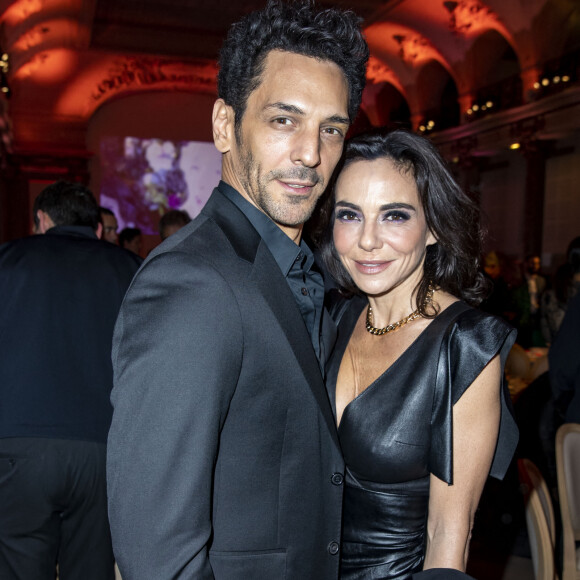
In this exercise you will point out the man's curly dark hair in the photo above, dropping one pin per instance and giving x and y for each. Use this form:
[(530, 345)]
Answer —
[(297, 27)]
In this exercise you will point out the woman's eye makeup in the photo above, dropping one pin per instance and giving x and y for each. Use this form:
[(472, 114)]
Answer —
[(393, 215), (397, 216), (347, 215)]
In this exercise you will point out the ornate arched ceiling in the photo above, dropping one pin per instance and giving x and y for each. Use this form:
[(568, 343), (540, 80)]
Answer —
[(69, 57)]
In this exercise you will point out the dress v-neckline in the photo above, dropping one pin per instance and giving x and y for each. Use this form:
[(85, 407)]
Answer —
[(396, 362)]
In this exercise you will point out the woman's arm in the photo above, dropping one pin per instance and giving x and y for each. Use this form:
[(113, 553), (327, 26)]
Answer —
[(452, 508)]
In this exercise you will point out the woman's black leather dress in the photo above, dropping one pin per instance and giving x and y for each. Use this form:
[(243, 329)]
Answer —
[(399, 431)]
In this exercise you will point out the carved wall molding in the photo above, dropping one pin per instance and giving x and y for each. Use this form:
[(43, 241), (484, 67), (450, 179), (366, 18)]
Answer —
[(378, 71), (412, 46), (147, 72), (72, 166), (465, 15)]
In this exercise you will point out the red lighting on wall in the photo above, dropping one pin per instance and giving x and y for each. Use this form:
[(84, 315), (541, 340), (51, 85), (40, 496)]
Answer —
[(49, 66), (21, 10)]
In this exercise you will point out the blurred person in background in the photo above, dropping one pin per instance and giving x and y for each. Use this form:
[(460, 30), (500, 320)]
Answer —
[(565, 285), (110, 226), (526, 299), (61, 292), (132, 240), (172, 221), (498, 301)]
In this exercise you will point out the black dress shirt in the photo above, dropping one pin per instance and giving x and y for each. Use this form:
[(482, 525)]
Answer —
[(296, 263)]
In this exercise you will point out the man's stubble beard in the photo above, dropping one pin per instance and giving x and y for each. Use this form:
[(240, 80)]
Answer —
[(256, 184)]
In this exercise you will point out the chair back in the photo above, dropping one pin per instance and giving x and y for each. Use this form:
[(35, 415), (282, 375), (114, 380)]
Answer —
[(568, 470), (539, 520), (517, 364)]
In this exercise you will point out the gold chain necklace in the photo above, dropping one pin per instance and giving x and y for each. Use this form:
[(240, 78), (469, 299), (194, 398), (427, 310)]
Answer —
[(390, 327)]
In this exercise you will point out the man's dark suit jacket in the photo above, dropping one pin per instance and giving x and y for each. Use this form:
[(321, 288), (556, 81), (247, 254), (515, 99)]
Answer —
[(223, 458), (60, 293)]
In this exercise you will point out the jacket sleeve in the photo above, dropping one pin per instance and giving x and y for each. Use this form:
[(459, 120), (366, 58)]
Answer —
[(176, 357)]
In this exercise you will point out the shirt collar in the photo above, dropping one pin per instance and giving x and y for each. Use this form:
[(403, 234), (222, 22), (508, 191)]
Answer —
[(86, 231), (284, 250)]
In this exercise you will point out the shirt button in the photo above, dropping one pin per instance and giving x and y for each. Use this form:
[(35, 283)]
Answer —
[(337, 478), (299, 257), (304, 291), (333, 548)]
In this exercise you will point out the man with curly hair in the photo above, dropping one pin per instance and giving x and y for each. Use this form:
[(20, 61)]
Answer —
[(223, 455)]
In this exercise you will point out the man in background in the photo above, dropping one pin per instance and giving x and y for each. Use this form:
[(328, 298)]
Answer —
[(131, 239), (60, 293), (172, 222), (526, 299), (110, 225), (223, 457)]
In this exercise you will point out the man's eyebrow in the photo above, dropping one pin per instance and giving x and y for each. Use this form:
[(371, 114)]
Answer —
[(293, 109), (287, 108), (338, 119)]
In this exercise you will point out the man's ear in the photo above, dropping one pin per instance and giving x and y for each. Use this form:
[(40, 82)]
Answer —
[(223, 126), (99, 231), (44, 222)]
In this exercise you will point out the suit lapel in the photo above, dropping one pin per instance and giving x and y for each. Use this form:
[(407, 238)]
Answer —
[(240, 232), (275, 290), (279, 297)]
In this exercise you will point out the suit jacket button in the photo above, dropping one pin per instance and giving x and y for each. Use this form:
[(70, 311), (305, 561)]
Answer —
[(337, 478), (333, 548)]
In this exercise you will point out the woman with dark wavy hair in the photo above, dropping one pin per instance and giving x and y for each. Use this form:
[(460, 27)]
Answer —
[(416, 377)]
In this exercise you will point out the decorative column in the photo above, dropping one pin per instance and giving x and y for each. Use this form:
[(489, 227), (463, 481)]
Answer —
[(467, 171), (529, 76), (535, 152), (465, 101), (417, 117)]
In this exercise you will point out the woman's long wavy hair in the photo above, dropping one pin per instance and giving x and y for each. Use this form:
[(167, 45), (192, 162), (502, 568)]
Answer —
[(453, 263)]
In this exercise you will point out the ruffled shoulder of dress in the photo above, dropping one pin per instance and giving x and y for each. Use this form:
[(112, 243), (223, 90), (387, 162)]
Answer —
[(471, 339)]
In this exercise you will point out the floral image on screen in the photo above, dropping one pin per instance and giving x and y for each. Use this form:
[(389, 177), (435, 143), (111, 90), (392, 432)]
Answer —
[(144, 178)]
